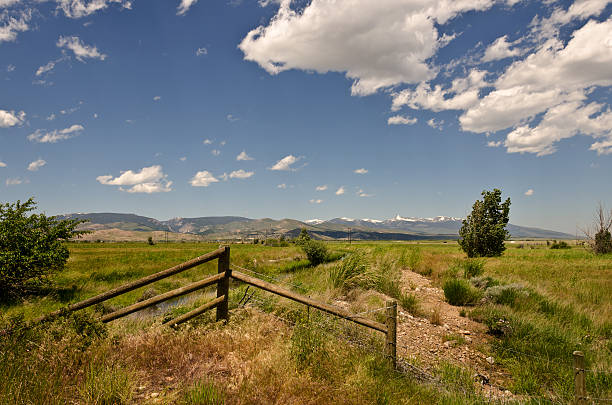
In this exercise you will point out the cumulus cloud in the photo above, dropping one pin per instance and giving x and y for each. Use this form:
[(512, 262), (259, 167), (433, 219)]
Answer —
[(13, 182), (203, 179), (376, 44), (360, 171), (184, 6), (148, 180), (10, 68), (282, 186), (201, 51), (11, 118), (363, 194), (55, 136), (156, 98), (243, 156), (2, 164), (83, 8), (401, 120), (232, 118), (340, 190), (215, 152), (81, 50), (317, 201), (285, 163), (183, 158), (207, 142), (494, 144), (37, 164), (47, 67), (321, 188), (435, 124), (529, 192), (240, 174), (500, 49), (10, 25)]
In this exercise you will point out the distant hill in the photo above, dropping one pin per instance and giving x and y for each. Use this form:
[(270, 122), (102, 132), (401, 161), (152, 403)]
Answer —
[(233, 227)]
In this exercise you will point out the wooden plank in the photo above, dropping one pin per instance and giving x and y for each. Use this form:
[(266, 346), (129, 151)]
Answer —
[(136, 284), (310, 302), (391, 337), (223, 285), (200, 310), (580, 394), (162, 297)]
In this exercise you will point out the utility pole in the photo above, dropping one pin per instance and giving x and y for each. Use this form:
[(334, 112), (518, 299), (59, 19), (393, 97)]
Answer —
[(166, 236), (349, 235)]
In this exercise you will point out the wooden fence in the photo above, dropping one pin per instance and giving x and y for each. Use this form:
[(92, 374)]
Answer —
[(222, 280)]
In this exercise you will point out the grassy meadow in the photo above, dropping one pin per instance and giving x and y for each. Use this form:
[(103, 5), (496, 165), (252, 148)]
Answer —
[(538, 304)]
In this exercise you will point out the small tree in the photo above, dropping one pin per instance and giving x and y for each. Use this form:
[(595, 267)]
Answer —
[(316, 251), (303, 237), (484, 230), (31, 247), (600, 239)]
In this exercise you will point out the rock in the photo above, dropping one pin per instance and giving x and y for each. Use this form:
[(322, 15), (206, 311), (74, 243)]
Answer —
[(490, 360), (154, 394), (448, 343), (468, 339)]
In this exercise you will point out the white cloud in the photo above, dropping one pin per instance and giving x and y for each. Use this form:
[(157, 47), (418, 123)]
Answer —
[(340, 190), (321, 188), (51, 117), (282, 186), (37, 164), (243, 156), (148, 180), (185, 6), (360, 171), (435, 124), (529, 192), (11, 118), (183, 158), (12, 24), (207, 142), (500, 49), (285, 163), (80, 50), (363, 194), (240, 174), (48, 67), (203, 179), (83, 8), (222, 143), (377, 44), (494, 144), (318, 201), (13, 182), (215, 152), (55, 136), (8, 3), (2, 164), (401, 120), (10, 68), (232, 118), (201, 51), (156, 98)]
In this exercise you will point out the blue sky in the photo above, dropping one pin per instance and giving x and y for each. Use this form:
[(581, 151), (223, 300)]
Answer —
[(148, 106)]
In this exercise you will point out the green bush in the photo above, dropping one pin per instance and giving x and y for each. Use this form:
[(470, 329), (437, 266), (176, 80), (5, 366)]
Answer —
[(472, 268), (560, 245), (351, 272), (506, 294), (31, 248), (316, 251), (460, 292)]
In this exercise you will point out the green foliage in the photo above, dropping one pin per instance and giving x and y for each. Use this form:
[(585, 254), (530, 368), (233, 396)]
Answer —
[(484, 230), (560, 245), (316, 251), (204, 393), (31, 248), (460, 292), (107, 384), (302, 238), (352, 272), (472, 268), (150, 241), (506, 294), (603, 242)]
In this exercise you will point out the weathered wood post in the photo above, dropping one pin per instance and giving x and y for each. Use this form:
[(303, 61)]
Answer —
[(580, 394), (223, 284), (391, 337)]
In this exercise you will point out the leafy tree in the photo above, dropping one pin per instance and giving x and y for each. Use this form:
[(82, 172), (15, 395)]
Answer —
[(484, 230), (303, 237), (31, 247), (316, 251)]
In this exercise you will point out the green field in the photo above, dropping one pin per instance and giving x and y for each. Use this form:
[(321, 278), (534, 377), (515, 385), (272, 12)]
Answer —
[(550, 303)]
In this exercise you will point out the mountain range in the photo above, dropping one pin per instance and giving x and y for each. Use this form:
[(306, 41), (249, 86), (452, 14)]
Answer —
[(233, 227)]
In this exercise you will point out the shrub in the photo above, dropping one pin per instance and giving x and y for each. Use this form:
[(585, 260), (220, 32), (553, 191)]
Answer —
[(150, 241), (316, 251), (204, 393), (505, 294), (410, 303), (484, 230), (303, 237), (31, 247), (560, 245), (460, 292), (483, 282), (472, 268)]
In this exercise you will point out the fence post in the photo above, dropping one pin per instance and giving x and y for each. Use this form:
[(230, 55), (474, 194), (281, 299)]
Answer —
[(391, 337), (223, 284), (580, 394)]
